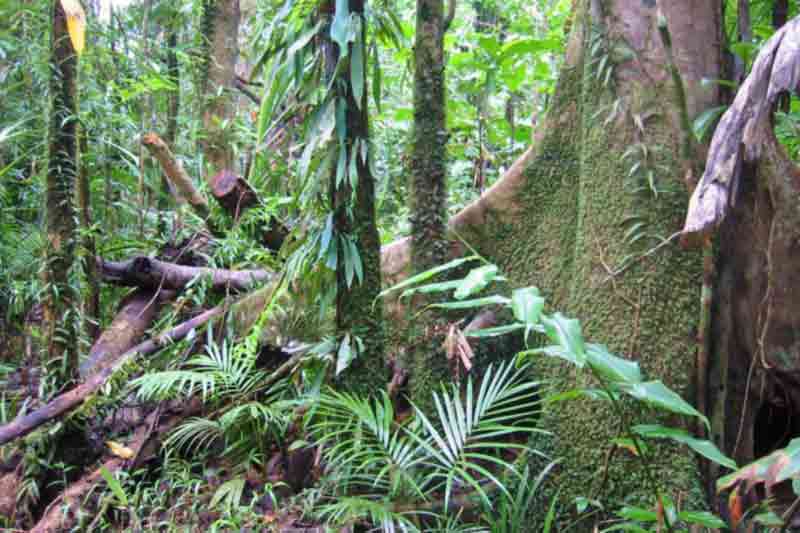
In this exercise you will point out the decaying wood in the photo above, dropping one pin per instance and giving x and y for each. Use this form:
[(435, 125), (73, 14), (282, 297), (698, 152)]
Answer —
[(176, 174), (61, 514), (136, 312), (151, 273), (744, 128), (232, 192), (243, 311)]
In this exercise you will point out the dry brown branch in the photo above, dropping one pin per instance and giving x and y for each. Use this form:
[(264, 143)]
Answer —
[(176, 174)]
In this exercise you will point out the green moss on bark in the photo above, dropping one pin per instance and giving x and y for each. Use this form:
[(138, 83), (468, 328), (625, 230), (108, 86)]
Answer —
[(568, 236)]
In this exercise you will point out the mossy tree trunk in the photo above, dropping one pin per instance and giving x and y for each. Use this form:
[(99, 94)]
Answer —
[(429, 244), (353, 202), (58, 320), (559, 219)]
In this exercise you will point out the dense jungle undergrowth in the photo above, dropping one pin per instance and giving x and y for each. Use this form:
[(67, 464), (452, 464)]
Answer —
[(430, 265)]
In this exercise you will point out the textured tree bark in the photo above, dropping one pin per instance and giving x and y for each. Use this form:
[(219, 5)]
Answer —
[(153, 274), (136, 312), (59, 323), (353, 204), (554, 221), (429, 245)]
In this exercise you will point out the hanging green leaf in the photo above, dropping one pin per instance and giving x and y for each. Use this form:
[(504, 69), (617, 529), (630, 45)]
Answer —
[(345, 355), (376, 77), (340, 27), (357, 71), (702, 125)]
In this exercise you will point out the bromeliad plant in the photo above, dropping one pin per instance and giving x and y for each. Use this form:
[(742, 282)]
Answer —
[(399, 475), (615, 377)]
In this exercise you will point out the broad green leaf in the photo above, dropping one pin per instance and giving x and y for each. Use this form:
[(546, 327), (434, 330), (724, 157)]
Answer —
[(638, 513), (612, 367), (428, 274), (703, 518), (555, 351), (658, 395), (345, 355), (340, 27), (702, 124), (495, 331), (357, 72), (442, 286), (704, 447), (476, 281), (114, 485), (566, 332), (376, 78), (475, 302), (527, 305)]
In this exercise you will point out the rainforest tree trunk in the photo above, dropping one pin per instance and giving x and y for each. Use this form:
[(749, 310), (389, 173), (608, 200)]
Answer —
[(59, 323), (353, 203), (429, 245), (558, 220)]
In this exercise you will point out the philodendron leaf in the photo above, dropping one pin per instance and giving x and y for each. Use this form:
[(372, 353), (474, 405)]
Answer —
[(566, 332), (704, 447), (611, 367), (476, 280), (658, 395)]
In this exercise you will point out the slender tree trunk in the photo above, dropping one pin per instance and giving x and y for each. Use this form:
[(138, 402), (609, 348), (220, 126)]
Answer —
[(91, 303), (353, 203), (429, 245), (221, 30), (173, 107), (59, 321)]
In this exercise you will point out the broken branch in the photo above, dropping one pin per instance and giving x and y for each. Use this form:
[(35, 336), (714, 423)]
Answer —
[(151, 273)]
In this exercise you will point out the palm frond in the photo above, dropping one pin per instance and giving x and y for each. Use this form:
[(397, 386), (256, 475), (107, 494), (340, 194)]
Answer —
[(466, 427)]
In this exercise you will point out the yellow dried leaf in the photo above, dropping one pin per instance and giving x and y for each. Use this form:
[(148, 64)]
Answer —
[(120, 450), (76, 23)]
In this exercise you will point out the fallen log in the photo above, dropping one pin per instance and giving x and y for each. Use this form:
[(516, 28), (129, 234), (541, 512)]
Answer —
[(147, 272), (244, 317), (136, 312)]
